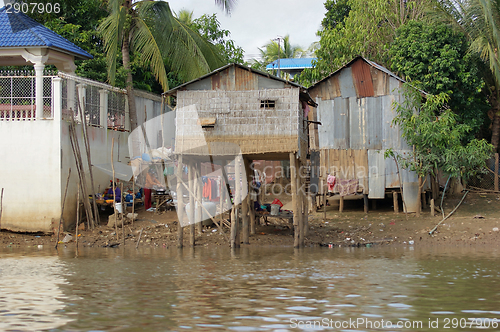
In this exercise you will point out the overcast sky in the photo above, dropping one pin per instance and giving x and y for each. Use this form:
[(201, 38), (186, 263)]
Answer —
[(253, 23)]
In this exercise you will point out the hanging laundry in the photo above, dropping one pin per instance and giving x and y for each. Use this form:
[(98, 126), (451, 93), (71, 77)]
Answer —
[(330, 180)]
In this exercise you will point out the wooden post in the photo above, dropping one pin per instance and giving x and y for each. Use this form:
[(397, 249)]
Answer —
[(233, 227), (180, 204), (244, 205), (300, 199), (496, 172), (77, 217), (419, 201), (199, 195), (365, 202), (113, 186), (432, 207), (251, 209), (424, 200), (237, 198), (133, 199), (192, 234), (123, 212), (395, 201), (295, 202), (341, 204)]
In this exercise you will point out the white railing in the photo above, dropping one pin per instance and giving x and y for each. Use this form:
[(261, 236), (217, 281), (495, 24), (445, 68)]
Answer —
[(17, 98)]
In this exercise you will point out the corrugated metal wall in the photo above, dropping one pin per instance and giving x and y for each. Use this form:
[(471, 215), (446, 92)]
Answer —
[(355, 111)]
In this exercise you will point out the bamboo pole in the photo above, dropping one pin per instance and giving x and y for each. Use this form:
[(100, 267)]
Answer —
[(180, 204), (87, 149), (62, 207), (123, 207), (244, 207), (192, 196), (77, 217), (139, 239), (199, 198), (295, 204), (133, 199), (79, 167), (113, 186)]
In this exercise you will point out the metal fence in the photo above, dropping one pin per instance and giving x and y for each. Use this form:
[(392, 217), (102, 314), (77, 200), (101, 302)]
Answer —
[(17, 96), (89, 94), (488, 181)]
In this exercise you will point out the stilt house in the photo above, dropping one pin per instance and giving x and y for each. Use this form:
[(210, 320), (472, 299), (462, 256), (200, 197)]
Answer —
[(356, 114), (237, 112)]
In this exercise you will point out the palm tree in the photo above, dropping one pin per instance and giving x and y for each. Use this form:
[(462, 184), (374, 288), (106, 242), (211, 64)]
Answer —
[(150, 30), (480, 21), (185, 16), (273, 49)]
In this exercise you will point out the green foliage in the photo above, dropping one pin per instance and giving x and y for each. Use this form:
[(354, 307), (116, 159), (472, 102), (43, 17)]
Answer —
[(437, 57), (437, 137), (336, 13), (209, 28), (368, 30)]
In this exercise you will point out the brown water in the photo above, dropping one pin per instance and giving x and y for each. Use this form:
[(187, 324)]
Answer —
[(251, 289)]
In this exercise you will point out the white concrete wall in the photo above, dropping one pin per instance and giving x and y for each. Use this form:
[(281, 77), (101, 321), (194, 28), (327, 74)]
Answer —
[(100, 147), (30, 174)]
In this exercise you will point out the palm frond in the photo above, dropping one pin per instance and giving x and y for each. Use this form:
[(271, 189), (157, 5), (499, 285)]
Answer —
[(111, 30)]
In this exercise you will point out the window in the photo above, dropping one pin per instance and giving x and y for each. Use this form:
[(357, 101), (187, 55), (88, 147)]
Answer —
[(267, 103)]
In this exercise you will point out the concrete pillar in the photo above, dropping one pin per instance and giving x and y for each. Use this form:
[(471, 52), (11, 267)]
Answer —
[(82, 92), (103, 108), (57, 101), (39, 89)]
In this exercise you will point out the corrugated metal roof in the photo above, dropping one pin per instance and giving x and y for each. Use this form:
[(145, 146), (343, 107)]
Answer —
[(303, 90), (371, 63), (19, 30), (291, 63)]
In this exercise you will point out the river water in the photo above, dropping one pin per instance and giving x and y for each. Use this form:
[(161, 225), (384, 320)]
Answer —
[(250, 289)]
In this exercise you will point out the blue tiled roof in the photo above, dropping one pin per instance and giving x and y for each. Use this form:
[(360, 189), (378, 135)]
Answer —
[(291, 63), (19, 30)]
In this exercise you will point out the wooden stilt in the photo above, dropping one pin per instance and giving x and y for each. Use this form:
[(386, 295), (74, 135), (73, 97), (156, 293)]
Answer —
[(237, 198), (419, 201), (77, 217), (133, 199), (496, 184), (180, 204), (295, 202), (245, 227), (233, 227), (395, 201), (192, 234), (341, 204), (432, 207), (301, 200), (365, 202), (114, 188), (123, 212), (199, 194)]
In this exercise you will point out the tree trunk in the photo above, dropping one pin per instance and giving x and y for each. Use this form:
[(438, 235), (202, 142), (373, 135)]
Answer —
[(495, 125), (129, 81)]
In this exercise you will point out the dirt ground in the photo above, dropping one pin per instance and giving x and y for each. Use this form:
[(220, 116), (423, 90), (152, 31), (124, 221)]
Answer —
[(476, 222)]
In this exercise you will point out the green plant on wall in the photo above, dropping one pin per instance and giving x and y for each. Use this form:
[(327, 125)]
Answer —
[(433, 130)]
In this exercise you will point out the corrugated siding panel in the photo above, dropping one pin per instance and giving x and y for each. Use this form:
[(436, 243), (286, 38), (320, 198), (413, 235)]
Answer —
[(391, 136), (346, 83), (376, 165), (391, 171), (362, 79), (357, 123), (245, 80), (340, 124), (374, 115), (411, 196)]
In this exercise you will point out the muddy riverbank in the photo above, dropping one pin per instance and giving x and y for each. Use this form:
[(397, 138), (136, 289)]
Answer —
[(476, 222)]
